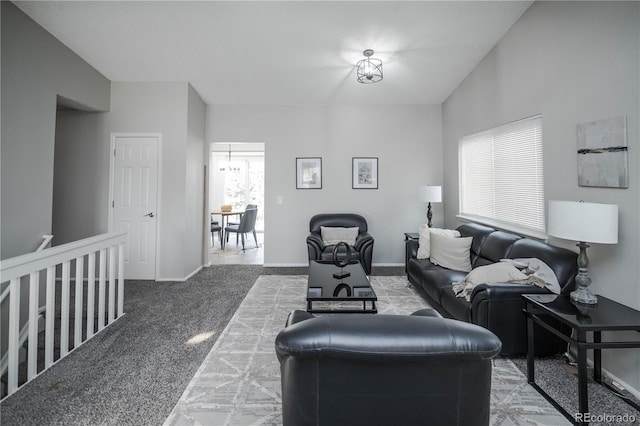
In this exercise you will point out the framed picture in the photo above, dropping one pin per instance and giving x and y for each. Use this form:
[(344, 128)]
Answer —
[(309, 173), (365, 173), (602, 153)]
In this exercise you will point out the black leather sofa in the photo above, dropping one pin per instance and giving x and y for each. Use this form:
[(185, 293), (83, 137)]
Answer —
[(361, 251), (495, 306), (385, 370)]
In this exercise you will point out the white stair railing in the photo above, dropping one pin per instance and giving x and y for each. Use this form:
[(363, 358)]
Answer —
[(101, 253)]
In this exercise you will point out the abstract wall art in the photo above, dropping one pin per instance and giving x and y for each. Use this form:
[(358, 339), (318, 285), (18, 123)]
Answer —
[(602, 153)]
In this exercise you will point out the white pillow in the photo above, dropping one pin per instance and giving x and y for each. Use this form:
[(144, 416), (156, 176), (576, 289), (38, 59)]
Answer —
[(334, 235), (451, 252), (424, 242)]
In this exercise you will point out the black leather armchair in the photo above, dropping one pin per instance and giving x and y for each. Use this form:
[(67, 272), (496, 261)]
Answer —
[(362, 250), (385, 369)]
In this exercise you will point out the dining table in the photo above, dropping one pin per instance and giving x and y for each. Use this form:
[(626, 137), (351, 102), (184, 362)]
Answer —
[(225, 215)]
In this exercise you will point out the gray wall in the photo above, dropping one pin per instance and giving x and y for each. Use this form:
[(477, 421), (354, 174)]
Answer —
[(195, 200), (406, 140), (81, 174), (573, 62), (36, 69), (164, 108)]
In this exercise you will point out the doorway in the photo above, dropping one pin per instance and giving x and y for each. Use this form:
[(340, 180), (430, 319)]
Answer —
[(236, 178)]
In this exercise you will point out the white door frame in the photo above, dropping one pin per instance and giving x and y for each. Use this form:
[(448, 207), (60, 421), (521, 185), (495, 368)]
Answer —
[(112, 166)]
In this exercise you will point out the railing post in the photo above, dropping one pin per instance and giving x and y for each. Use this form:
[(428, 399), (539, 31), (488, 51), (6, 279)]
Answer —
[(14, 324), (91, 286), (49, 315), (121, 279), (34, 295), (64, 309), (77, 326), (112, 283), (101, 284)]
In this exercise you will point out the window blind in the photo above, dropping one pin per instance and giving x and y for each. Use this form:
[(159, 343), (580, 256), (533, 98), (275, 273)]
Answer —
[(501, 175)]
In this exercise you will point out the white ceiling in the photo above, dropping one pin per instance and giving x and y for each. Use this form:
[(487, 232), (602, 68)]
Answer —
[(283, 53)]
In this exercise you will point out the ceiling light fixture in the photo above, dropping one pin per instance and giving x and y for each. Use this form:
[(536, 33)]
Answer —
[(369, 70), (227, 165)]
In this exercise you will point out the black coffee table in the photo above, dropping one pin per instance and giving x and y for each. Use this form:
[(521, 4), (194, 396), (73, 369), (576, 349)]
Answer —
[(323, 286)]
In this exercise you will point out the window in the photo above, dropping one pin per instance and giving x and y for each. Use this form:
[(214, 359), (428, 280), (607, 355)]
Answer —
[(501, 177)]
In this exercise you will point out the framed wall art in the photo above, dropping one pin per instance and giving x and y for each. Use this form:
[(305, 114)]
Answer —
[(602, 153), (365, 173), (309, 173)]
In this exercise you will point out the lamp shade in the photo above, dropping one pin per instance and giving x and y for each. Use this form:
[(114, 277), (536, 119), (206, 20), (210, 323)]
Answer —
[(584, 222), (430, 194)]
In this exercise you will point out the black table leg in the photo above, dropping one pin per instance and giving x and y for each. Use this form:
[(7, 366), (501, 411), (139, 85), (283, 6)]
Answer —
[(597, 358), (583, 397), (530, 351)]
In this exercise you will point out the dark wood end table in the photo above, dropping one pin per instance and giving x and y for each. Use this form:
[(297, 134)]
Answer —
[(607, 315)]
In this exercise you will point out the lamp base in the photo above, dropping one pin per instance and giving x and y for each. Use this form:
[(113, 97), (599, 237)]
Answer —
[(583, 296)]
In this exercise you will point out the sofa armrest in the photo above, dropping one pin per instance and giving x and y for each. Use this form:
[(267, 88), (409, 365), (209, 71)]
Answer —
[(498, 307), (315, 245), (411, 252), (505, 291), (411, 247), (363, 239)]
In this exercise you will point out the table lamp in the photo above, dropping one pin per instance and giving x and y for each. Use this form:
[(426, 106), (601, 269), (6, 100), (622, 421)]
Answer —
[(430, 194), (585, 223)]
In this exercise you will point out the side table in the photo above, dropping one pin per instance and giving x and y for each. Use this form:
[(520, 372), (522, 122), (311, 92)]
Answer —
[(411, 236), (607, 315)]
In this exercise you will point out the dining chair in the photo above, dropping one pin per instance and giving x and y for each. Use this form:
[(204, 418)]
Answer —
[(215, 227), (247, 224), (249, 206)]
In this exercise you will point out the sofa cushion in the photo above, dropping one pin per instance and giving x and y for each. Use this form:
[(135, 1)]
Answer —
[(479, 234), (451, 252), (436, 279), (496, 246), (424, 242)]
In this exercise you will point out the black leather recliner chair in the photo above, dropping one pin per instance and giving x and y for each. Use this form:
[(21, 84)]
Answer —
[(361, 251), (385, 369)]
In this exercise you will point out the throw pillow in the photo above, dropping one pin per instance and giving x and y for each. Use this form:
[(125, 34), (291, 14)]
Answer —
[(451, 252), (333, 235), (424, 242)]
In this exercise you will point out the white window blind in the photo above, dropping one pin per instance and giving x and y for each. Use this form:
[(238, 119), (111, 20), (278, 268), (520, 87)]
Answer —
[(501, 176)]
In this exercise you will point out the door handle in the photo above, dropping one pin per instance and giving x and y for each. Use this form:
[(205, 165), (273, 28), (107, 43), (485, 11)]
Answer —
[(149, 214)]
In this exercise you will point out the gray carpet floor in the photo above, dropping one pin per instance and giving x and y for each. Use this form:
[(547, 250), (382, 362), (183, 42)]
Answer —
[(559, 379), (135, 371)]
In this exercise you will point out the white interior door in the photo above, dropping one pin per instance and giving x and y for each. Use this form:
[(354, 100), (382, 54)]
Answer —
[(135, 194)]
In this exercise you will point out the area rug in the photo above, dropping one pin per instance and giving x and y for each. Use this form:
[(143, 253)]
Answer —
[(239, 382)]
